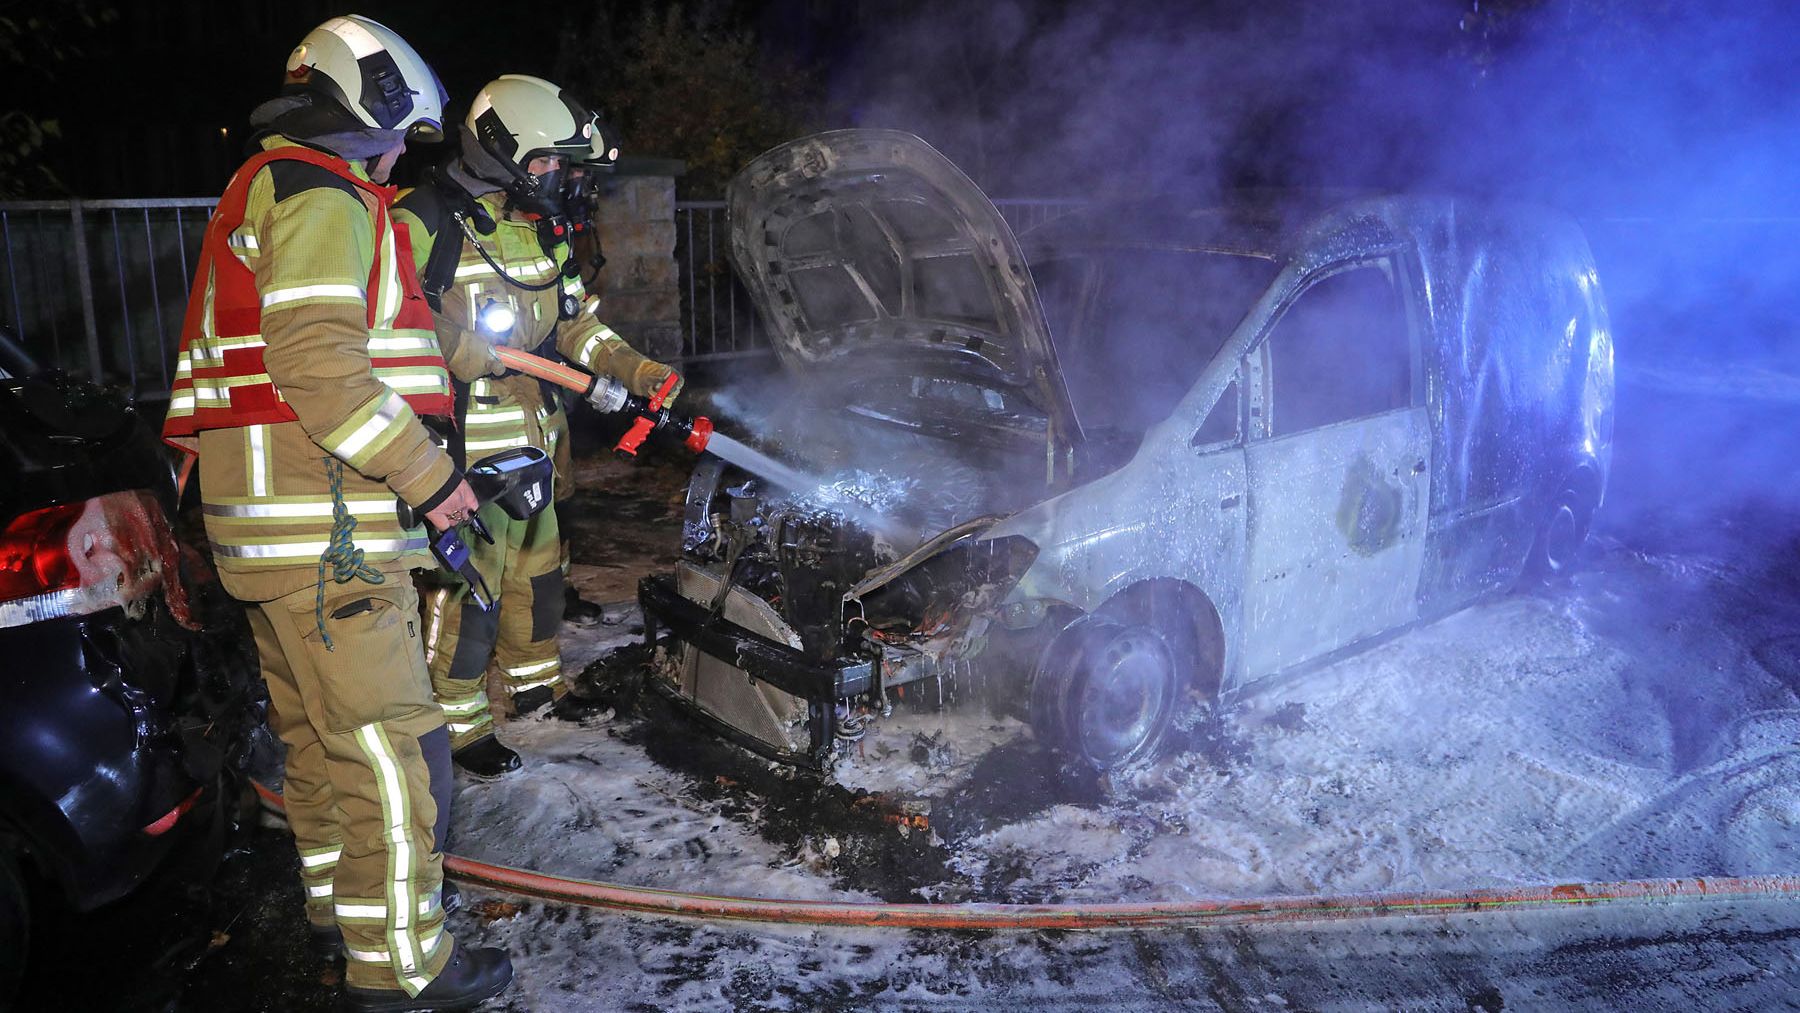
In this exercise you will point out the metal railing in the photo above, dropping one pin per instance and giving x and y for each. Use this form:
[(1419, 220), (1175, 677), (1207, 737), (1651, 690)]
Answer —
[(718, 318), (99, 287)]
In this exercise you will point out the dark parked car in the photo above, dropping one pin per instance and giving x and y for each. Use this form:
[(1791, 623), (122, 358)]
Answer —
[(126, 697), (1188, 448)]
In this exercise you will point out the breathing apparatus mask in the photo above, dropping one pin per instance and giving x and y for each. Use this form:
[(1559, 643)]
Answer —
[(603, 155), (541, 197), (545, 194)]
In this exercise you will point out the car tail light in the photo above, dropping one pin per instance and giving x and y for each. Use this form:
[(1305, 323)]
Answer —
[(80, 558), (38, 578)]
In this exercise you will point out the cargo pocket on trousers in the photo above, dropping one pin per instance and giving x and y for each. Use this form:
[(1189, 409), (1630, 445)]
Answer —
[(375, 667)]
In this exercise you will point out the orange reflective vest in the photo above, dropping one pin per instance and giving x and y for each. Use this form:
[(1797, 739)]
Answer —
[(221, 381)]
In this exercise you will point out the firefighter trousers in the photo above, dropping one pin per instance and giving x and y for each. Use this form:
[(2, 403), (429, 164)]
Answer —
[(523, 571), (362, 737), (562, 459)]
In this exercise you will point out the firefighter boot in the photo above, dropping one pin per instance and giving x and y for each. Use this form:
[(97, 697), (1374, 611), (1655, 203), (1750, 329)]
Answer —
[(486, 758), (570, 707), (567, 707), (325, 943), (471, 976), (578, 611), (528, 702)]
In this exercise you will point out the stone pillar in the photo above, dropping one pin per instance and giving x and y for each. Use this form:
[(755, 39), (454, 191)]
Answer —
[(640, 286)]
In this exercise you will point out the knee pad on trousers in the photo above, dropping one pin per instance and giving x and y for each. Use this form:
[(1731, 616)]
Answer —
[(435, 745), (475, 638), (546, 605)]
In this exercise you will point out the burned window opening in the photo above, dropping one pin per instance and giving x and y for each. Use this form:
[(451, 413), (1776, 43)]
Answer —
[(1342, 350)]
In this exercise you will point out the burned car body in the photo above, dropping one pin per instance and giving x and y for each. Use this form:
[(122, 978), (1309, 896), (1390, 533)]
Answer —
[(1260, 438)]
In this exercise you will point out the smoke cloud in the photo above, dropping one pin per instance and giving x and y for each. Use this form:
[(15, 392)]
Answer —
[(1670, 130)]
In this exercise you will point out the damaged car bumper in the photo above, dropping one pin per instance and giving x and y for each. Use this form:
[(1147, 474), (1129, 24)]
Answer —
[(754, 688)]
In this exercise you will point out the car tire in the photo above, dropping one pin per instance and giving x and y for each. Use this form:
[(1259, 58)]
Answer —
[(1560, 536), (15, 925), (1105, 692)]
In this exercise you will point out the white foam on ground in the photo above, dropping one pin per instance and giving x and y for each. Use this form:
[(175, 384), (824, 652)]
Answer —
[(1620, 727), (1528, 739)]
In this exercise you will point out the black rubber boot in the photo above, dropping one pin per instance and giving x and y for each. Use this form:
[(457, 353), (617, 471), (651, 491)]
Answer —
[(471, 977), (575, 708), (486, 758), (325, 944), (532, 700), (577, 611)]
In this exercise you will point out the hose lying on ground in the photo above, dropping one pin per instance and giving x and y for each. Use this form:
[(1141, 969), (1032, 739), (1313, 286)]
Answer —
[(1182, 914)]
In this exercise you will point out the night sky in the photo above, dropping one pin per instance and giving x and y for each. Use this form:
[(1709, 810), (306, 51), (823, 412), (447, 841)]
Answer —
[(144, 100), (1633, 106)]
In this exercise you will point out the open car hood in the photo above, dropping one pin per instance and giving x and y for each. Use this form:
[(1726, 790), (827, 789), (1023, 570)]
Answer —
[(875, 261)]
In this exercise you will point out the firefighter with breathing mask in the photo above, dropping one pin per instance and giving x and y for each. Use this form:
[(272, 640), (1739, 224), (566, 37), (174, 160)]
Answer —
[(307, 360), (490, 233), (583, 240)]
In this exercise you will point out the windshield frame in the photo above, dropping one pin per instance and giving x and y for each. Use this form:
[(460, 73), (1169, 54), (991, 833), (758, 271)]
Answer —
[(1211, 380)]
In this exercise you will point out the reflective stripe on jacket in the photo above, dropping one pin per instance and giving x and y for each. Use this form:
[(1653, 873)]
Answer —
[(584, 340), (220, 378), (307, 336)]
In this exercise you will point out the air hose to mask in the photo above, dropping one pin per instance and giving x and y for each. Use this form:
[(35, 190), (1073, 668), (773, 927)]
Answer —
[(568, 270)]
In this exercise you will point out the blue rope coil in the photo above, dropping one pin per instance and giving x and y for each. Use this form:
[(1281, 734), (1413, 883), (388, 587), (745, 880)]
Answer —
[(341, 555)]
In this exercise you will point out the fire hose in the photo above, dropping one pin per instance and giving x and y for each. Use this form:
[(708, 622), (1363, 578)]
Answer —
[(1171, 914)]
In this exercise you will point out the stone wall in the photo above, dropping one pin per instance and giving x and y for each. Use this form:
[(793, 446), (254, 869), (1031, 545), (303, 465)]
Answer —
[(640, 286)]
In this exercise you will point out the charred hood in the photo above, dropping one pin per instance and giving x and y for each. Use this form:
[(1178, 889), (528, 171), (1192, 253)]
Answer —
[(868, 253)]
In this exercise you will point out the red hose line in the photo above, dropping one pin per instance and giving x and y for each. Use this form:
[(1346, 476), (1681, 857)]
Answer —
[(1187, 914)]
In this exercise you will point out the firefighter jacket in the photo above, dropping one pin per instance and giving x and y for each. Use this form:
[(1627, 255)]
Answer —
[(510, 409), (307, 353)]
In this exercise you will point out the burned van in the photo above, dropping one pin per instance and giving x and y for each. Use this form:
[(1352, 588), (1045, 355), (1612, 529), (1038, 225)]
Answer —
[(1149, 457)]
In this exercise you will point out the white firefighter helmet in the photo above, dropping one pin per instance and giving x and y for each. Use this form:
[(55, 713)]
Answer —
[(516, 118), (371, 74), (603, 152)]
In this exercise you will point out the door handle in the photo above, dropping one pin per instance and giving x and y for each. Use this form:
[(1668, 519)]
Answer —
[(1228, 502)]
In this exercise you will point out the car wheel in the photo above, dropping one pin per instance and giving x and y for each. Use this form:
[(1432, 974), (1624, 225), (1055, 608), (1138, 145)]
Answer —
[(15, 925), (1560, 537), (1106, 692)]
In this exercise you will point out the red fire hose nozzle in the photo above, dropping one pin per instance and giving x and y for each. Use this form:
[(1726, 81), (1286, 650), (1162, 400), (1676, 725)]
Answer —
[(609, 396)]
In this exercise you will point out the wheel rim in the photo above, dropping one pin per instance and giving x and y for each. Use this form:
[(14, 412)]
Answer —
[(1562, 538), (1121, 705)]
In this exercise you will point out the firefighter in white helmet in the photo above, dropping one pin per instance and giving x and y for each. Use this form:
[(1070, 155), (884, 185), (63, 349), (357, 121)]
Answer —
[(490, 233), (307, 363)]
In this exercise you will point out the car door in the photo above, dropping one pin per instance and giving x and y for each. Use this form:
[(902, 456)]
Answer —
[(1338, 468)]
